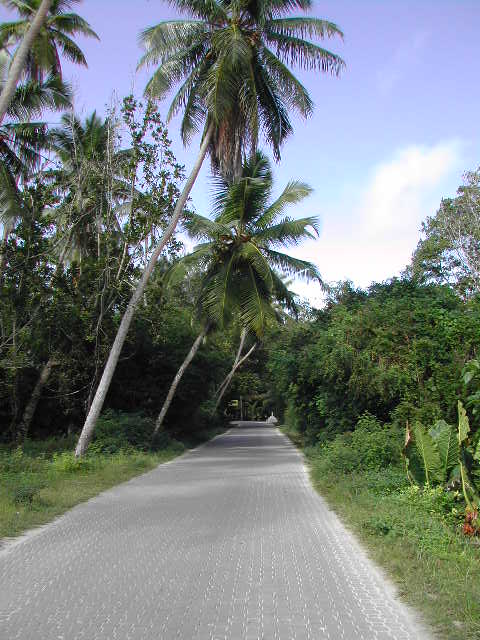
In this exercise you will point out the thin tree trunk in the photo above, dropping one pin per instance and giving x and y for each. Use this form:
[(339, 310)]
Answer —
[(35, 397), (178, 377), (243, 335), (114, 355), (7, 229), (20, 57), (229, 378)]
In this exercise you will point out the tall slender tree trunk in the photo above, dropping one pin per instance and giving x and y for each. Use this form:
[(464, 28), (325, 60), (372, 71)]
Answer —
[(20, 58), (7, 229), (226, 383), (35, 397), (122, 332), (178, 377), (243, 335)]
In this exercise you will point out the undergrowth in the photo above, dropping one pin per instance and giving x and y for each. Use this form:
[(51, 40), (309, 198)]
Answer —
[(42, 479)]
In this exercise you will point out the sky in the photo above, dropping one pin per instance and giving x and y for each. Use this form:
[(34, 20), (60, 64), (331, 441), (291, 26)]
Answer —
[(388, 139)]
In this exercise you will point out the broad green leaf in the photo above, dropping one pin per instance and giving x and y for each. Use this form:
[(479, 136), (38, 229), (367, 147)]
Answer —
[(428, 452), (443, 436), (415, 472)]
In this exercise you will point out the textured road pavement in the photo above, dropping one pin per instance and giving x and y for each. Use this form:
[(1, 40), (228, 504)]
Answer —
[(229, 542)]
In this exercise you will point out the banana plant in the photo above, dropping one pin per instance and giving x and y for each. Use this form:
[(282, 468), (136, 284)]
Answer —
[(440, 453)]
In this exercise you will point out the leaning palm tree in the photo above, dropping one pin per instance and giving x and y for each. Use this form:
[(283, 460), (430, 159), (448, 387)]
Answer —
[(43, 33), (54, 39), (20, 59), (233, 59), (239, 254), (23, 140)]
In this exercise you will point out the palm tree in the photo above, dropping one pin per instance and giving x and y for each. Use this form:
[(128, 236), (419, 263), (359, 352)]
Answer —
[(54, 38), (240, 255), (22, 140), (20, 58), (239, 250), (215, 52), (44, 34), (85, 149), (231, 58)]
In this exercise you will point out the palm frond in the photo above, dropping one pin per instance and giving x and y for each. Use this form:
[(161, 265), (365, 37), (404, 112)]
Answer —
[(288, 232), (293, 92), (251, 254), (305, 27), (210, 10), (291, 266), (32, 98), (294, 192), (72, 23), (199, 227), (215, 296), (305, 54), (69, 49), (170, 37)]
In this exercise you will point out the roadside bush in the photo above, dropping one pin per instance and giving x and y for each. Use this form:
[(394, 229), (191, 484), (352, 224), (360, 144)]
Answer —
[(371, 447), (22, 489), (116, 431), (66, 462)]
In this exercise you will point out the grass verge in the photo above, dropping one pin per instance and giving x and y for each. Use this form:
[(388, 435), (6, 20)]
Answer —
[(415, 535), (42, 479)]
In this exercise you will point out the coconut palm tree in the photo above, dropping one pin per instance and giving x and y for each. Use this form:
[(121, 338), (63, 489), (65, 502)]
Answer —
[(84, 149), (23, 141), (215, 52), (232, 61), (42, 34), (54, 39), (20, 58), (239, 254)]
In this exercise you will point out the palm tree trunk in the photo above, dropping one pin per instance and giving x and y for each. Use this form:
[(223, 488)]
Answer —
[(114, 355), (178, 377), (20, 57), (243, 335), (226, 383), (7, 229), (35, 397)]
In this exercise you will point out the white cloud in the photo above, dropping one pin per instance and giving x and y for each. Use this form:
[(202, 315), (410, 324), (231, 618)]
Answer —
[(373, 238)]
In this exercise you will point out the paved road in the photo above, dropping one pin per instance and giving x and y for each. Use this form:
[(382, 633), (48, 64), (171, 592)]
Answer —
[(229, 542)]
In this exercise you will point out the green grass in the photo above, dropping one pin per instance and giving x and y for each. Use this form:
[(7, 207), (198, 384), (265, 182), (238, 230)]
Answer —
[(38, 485), (415, 535), (42, 479)]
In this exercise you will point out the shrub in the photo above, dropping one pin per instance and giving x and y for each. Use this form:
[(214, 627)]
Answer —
[(23, 488), (67, 463), (371, 447), (117, 431)]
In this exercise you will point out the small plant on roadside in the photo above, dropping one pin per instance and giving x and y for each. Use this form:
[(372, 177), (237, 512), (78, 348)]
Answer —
[(446, 456)]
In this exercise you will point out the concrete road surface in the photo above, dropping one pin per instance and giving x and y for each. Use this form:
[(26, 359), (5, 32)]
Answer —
[(228, 542)]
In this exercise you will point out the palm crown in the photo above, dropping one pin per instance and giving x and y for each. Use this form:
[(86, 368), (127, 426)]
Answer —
[(231, 58), (240, 256), (54, 37), (21, 139)]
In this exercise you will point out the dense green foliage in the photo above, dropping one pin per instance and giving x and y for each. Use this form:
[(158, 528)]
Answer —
[(88, 222), (396, 350)]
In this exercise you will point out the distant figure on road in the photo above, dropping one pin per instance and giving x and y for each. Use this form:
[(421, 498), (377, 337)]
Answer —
[(272, 419)]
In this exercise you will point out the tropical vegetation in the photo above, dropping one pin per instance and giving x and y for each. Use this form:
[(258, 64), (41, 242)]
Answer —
[(101, 300)]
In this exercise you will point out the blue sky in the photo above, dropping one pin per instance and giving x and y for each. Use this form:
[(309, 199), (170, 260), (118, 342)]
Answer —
[(388, 138)]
